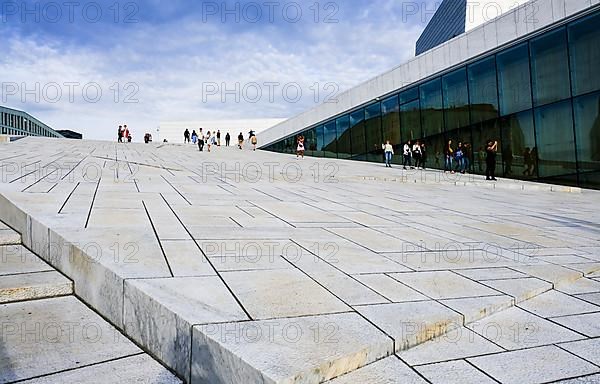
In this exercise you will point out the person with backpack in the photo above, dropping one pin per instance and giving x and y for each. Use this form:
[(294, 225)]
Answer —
[(201, 141), (241, 141)]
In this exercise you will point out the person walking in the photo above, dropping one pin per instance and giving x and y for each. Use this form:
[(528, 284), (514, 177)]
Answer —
[(423, 155), (407, 153), (209, 140), (449, 157), (241, 141), (254, 141), (120, 134), (416, 152), (218, 137), (490, 160), (194, 137), (227, 139), (201, 139), (186, 136), (300, 147), (388, 150)]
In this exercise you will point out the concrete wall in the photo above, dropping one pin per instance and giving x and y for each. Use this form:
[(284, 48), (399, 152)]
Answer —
[(524, 20)]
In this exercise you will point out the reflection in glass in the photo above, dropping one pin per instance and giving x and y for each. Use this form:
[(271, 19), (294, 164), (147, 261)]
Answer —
[(310, 141), (483, 90), (357, 129), (584, 48), (514, 82), (432, 117), (410, 121), (320, 142), (550, 68), (456, 99), (330, 139), (587, 130), (373, 134), (518, 146), (554, 129), (344, 141)]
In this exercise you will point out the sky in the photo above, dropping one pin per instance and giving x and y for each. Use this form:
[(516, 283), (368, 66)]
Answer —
[(90, 66)]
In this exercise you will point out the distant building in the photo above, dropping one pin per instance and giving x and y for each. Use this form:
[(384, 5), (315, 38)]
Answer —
[(18, 123), (455, 17), (70, 134)]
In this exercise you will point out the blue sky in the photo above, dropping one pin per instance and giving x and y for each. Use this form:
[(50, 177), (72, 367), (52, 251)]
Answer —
[(158, 61)]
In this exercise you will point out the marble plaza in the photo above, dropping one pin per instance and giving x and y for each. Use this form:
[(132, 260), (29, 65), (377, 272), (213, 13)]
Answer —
[(255, 267)]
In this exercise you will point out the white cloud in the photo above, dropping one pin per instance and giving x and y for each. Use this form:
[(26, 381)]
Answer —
[(171, 64)]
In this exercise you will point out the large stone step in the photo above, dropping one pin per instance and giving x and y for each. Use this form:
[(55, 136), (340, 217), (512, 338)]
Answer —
[(24, 276)]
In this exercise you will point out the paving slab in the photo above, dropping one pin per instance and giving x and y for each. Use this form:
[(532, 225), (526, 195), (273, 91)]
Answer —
[(9, 237), (515, 329), (520, 289), (16, 259), (45, 336), (537, 365), (476, 308), (454, 372), (387, 371), (134, 369), (390, 288), (459, 342), (294, 350), (587, 324), (443, 285), (160, 313), (281, 293), (582, 286), (586, 349), (555, 303), (411, 323), (34, 286)]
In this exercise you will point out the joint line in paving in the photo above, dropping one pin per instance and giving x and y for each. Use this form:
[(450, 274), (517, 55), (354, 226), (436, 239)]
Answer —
[(208, 259), (87, 221), (162, 250)]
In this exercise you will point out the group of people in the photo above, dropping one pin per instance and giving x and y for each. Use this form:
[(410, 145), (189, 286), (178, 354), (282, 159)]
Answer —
[(123, 134), (211, 140), (456, 159), (416, 153)]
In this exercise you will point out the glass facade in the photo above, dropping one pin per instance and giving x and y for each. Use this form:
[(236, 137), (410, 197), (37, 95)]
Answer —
[(540, 99), (17, 123)]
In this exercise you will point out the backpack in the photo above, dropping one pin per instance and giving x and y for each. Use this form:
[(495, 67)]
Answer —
[(254, 140)]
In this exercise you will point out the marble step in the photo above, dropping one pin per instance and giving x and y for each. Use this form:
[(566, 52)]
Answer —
[(8, 236), (61, 340), (36, 285)]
